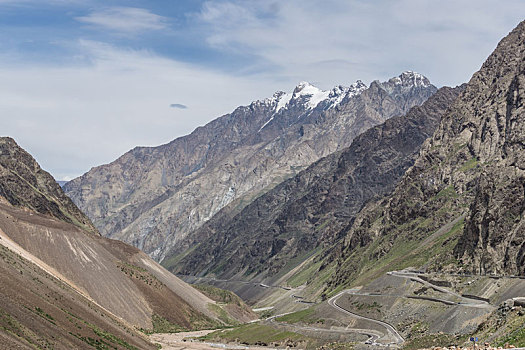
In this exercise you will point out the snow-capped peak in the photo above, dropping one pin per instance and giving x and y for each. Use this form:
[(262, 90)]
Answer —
[(411, 78), (311, 95), (339, 93)]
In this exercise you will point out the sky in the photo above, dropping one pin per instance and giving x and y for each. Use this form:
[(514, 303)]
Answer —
[(84, 81)]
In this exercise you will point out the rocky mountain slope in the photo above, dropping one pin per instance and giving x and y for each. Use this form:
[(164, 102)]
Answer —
[(154, 197), (308, 211), (461, 206), (84, 277), (23, 183), (39, 311)]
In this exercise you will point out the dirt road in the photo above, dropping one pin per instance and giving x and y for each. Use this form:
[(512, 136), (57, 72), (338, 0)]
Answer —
[(391, 332)]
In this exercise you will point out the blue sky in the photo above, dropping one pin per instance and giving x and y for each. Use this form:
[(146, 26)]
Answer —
[(83, 81)]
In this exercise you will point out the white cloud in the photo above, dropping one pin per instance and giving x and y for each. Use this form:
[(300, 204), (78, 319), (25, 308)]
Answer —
[(339, 41), (72, 118), (125, 19), (111, 99)]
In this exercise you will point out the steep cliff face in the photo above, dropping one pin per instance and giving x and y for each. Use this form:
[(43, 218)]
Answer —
[(36, 223), (24, 184), (461, 206), (153, 197), (310, 210)]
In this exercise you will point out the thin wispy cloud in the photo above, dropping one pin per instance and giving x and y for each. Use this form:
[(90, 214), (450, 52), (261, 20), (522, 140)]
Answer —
[(178, 106), (124, 20)]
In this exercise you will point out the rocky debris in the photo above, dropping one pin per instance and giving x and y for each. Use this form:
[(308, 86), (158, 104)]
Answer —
[(310, 209), (439, 283), (154, 197)]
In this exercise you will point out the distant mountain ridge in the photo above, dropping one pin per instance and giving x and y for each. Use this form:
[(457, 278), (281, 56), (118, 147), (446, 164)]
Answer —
[(154, 197), (310, 210)]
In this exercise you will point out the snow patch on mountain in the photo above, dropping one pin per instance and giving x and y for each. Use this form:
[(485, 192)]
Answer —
[(309, 97), (284, 99), (339, 93), (311, 94), (410, 78)]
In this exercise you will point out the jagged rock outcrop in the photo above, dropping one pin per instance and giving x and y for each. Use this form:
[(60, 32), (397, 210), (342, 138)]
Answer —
[(41, 240), (461, 206), (154, 197), (24, 184), (310, 209)]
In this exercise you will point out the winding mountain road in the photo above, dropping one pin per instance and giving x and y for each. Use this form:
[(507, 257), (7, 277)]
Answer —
[(372, 335), (391, 331), (391, 336), (465, 301)]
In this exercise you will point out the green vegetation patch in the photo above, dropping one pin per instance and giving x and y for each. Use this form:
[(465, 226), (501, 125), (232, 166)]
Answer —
[(112, 338), (218, 295), (428, 341), (305, 316), (222, 314), (296, 261), (140, 273), (104, 340), (172, 261), (305, 274), (162, 325), (447, 192), (368, 263), (45, 315), (10, 325), (469, 164), (256, 334), (515, 333)]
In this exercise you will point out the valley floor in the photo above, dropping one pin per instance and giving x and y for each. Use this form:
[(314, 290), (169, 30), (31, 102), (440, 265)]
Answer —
[(183, 340)]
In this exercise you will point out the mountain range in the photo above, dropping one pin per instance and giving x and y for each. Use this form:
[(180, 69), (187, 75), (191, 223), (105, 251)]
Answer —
[(390, 214), (312, 209), (153, 197)]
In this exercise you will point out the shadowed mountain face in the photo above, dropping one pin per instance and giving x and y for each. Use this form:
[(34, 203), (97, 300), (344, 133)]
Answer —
[(154, 197), (87, 284), (310, 210), (471, 174)]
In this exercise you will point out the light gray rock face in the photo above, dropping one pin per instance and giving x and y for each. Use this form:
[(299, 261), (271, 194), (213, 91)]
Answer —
[(154, 197)]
